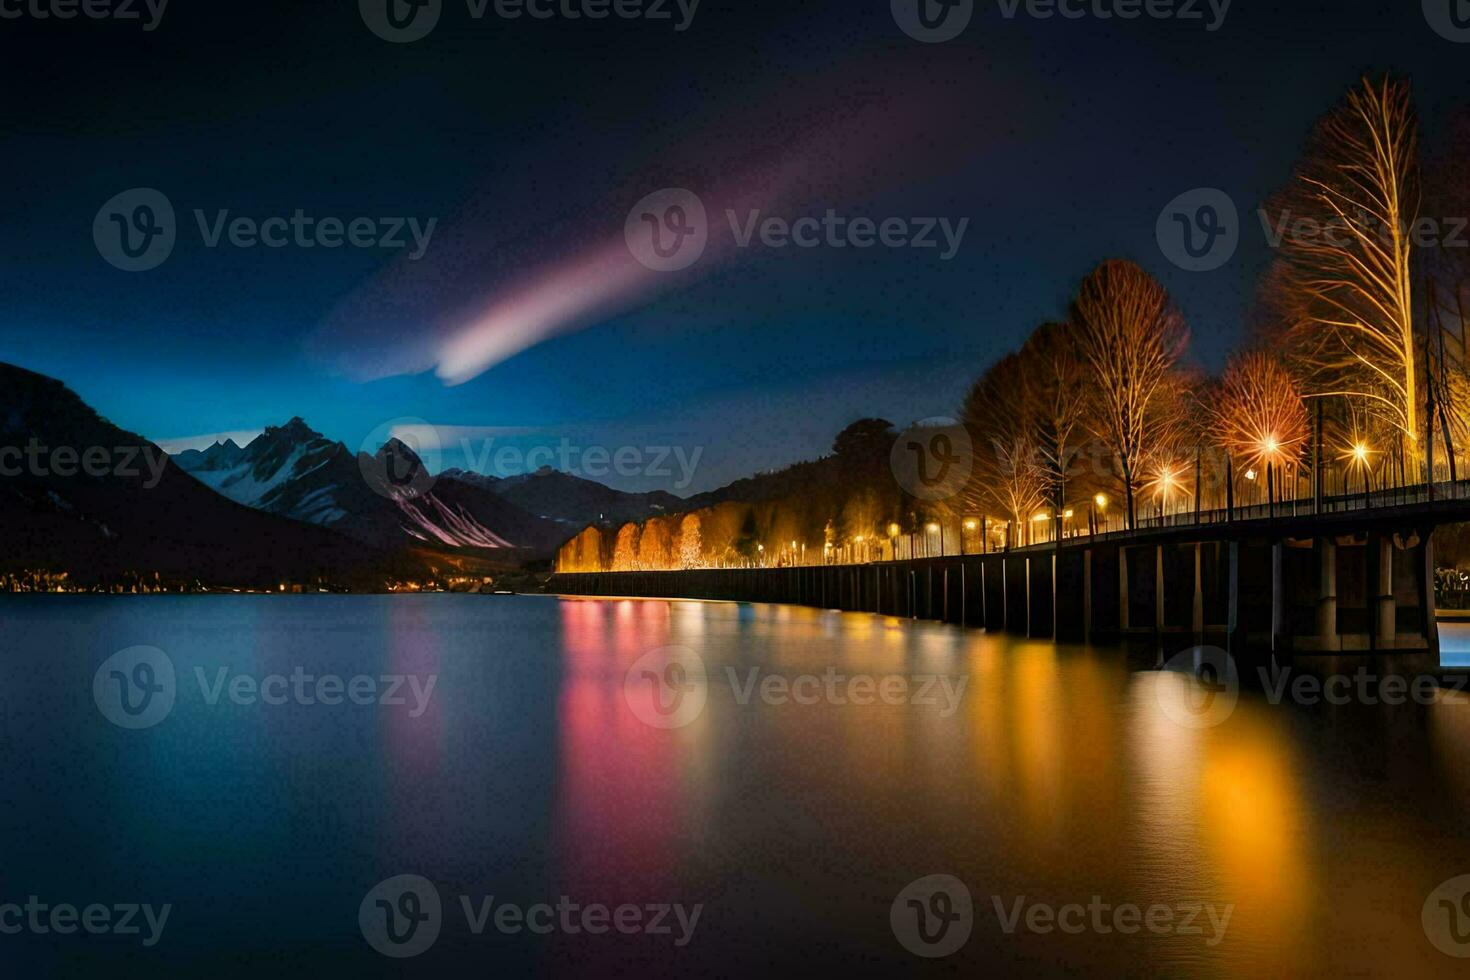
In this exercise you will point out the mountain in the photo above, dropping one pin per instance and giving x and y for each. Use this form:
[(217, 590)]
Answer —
[(81, 496), (570, 499), (387, 499)]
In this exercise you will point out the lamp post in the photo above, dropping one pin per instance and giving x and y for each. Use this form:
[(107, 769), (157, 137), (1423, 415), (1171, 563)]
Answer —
[(968, 526)]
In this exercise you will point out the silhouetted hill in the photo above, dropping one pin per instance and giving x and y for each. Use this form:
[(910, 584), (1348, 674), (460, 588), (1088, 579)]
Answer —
[(572, 500)]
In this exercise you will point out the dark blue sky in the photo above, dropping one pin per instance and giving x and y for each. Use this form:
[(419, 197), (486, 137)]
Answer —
[(529, 141)]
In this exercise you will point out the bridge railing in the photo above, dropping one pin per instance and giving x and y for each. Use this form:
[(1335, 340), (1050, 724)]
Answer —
[(954, 541)]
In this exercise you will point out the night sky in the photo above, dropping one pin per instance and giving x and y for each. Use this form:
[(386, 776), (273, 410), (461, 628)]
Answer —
[(529, 141)]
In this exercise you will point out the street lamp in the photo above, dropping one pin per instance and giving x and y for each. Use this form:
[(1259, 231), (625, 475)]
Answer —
[(931, 527), (1361, 452)]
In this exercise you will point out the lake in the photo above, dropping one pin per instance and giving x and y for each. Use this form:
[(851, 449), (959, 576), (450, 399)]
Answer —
[(534, 786)]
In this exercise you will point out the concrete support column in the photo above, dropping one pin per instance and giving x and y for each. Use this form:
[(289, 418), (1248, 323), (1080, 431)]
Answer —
[(1327, 637), (1087, 596), (1005, 596), (1234, 641), (1124, 596), (1197, 618), (964, 598), (1426, 593), (984, 597), (1159, 590), (1054, 592), (1278, 596), (1387, 631), (1028, 597)]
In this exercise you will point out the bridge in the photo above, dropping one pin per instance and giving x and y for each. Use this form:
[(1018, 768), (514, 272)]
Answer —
[(1353, 572)]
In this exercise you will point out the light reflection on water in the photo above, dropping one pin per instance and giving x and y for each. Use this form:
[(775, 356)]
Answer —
[(1058, 777)]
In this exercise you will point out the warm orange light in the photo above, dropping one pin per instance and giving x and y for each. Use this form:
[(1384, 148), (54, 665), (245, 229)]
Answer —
[(893, 530)]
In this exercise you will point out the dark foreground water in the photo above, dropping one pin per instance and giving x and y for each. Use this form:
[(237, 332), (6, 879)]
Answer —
[(571, 817)]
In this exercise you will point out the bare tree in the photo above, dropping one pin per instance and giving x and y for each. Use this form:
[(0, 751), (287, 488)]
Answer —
[(1445, 271), (1131, 337), (625, 554), (1007, 476), (1341, 287), (691, 548), (1056, 393)]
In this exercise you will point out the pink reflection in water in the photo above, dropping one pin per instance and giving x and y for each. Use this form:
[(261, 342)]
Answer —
[(620, 809)]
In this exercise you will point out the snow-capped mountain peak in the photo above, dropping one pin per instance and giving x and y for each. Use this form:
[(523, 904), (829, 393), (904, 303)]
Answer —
[(386, 496)]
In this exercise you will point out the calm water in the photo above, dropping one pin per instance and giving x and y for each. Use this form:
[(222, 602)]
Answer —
[(528, 774)]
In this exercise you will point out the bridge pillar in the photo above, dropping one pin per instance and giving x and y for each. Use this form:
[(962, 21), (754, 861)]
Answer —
[(1426, 591), (1087, 596), (984, 599), (1387, 627), (1327, 638), (1197, 619), (1159, 590), (1124, 596), (1278, 596)]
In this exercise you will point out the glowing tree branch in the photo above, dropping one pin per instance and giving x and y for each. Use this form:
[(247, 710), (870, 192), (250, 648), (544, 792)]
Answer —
[(1258, 415), (1342, 284), (1131, 337)]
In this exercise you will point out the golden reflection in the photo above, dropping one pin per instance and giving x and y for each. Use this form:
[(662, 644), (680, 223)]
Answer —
[(1253, 824), (1043, 737), (1220, 814)]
